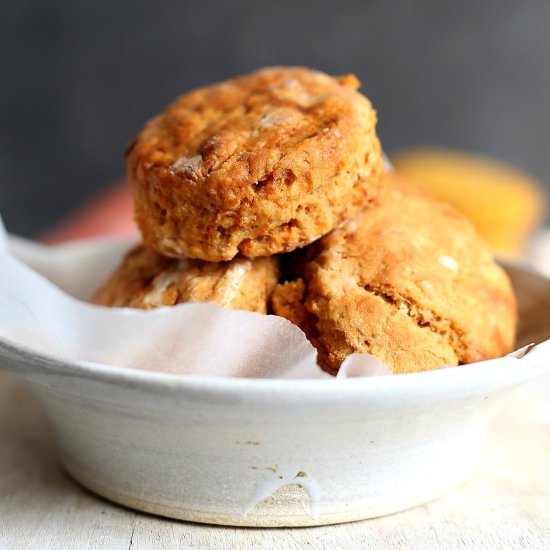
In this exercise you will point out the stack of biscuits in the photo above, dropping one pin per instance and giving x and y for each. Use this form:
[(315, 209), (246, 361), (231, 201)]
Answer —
[(268, 193)]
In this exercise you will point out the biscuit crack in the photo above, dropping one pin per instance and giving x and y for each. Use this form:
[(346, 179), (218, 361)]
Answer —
[(423, 318)]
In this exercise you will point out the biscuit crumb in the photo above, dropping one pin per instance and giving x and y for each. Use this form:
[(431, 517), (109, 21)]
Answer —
[(187, 164), (448, 262)]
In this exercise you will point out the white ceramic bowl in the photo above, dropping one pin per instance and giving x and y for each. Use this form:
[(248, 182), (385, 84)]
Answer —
[(259, 452)]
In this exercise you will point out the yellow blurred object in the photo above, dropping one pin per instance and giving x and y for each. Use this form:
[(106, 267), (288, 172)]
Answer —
[(505, 204)]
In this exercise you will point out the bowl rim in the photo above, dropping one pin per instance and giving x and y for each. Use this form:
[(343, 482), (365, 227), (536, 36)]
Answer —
[(434, 381)]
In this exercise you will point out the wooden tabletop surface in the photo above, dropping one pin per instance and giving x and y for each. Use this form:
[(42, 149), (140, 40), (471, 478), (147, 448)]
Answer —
[(505, 504)]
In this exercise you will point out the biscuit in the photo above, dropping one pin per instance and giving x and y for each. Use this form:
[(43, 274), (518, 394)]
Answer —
[(147, 280), (505, 204), (261, 164), (408, 281)]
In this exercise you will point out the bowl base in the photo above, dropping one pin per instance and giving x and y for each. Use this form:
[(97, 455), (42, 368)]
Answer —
[(288, 506)]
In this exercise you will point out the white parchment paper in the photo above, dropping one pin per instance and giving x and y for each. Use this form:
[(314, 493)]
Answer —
[(42, 306)]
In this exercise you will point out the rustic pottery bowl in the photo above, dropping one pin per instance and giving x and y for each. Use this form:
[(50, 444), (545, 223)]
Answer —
[(271, 453)]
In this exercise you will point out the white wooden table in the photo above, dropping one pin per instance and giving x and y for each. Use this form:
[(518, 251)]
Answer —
[(505, 505)]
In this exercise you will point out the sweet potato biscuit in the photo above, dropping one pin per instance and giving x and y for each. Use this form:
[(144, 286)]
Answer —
[(264, 163), (408, 281), (147, 280)]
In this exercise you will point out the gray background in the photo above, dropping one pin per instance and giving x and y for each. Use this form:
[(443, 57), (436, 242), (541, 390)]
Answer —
[(80, 78)]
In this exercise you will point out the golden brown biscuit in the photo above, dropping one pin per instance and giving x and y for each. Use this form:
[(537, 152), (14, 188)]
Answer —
[(408, 281), (261, 164), (147, 280), (504, 203)]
